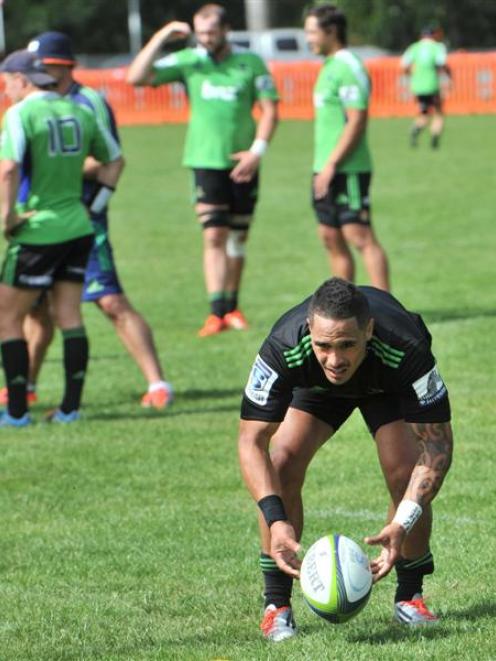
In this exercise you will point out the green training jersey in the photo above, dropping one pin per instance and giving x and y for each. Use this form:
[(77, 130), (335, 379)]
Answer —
[(424, 57), (221, 96), (49, 136), (343, 83)]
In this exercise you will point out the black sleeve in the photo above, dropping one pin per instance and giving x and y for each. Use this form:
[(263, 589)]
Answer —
[(424, 396), (269, 390)]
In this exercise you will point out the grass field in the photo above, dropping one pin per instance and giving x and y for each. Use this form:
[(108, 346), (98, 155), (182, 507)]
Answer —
[(130, 535)]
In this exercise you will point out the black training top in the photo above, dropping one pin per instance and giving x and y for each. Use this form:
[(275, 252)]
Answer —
[(399, 362)]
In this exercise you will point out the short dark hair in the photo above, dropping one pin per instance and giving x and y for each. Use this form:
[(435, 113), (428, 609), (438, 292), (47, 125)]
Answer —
[(330, 16), (339, 299), (213, 10)]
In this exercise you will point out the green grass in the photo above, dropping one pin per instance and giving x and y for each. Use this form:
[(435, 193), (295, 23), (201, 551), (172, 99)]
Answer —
[(131, 536)]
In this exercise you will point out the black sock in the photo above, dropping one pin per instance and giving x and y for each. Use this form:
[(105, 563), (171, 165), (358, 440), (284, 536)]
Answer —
[(231, 301), (435, 141), (410, 575), (218, 304), (277, 584), (15, 360), (76, 353)]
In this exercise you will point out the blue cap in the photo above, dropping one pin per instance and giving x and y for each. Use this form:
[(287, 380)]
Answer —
[(53, 48), (22, 61)]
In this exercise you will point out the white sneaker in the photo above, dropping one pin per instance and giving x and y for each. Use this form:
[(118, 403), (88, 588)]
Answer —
[(414, 612), (278, 623)]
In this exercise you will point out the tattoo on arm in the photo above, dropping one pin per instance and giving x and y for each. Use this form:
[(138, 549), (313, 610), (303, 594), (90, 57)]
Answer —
[(436, 443)]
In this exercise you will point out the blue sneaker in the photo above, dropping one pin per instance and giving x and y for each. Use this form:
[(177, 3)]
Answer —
[(59, 416), (7, 420)]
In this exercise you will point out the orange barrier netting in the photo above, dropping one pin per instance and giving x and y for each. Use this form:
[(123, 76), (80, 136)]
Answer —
[(473, 90)]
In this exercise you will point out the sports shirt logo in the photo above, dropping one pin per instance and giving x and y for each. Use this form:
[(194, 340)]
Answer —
[(430, 388), (211, 92), (260, 382)]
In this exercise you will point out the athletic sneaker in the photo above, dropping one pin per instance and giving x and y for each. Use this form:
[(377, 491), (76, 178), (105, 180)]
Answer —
[(32, 397), (235, 320), (414, 612), (59, 416), (158, 399), (213, 325), (7, 420), (278, 623)]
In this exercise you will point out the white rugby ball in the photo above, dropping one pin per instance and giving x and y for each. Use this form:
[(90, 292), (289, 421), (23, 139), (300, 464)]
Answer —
[(335, 578)]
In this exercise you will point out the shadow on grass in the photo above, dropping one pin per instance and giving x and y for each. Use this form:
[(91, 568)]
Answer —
[(147, 414), (440, 316)]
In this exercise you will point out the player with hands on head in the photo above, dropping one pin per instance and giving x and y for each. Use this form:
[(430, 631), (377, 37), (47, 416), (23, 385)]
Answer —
[(224, 146), (343, 348)]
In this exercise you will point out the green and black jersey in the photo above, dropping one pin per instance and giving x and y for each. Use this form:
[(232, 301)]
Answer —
[(398, 361)]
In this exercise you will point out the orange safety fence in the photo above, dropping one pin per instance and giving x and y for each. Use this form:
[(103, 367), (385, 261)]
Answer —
[(473, 90)]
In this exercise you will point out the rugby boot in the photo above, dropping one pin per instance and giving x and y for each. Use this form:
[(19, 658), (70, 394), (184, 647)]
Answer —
[(235, 320), (278, 623), (158, 399), (213, 325), (414, 612)]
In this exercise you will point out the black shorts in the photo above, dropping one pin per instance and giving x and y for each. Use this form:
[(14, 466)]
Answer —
[(216, 187), (428, 101), (29, 266), (376, 410), (347, 200)]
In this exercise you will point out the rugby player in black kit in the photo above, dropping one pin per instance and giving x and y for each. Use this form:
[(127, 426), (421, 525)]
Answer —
[(346, 347)]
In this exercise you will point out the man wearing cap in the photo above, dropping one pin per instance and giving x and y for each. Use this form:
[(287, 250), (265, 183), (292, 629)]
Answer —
[(424, 61), (101, 283), (45, 140)]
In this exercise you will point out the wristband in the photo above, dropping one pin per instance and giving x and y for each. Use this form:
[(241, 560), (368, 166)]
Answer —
[(101, 198), (407, 514), (272, 509), (259, 147)]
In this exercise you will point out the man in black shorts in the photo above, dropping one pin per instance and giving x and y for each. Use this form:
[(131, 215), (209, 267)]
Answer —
[(45, 140), (223, 147), (342, 165), (346, 347)]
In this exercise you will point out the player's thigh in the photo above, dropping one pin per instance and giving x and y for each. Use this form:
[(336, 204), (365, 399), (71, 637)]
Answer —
[(212, 195), (295, 443), (15, 304), (66, 298), (398, 451), (359, 235)]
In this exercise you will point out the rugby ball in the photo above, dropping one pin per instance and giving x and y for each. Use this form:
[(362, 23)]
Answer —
[(335, 578)]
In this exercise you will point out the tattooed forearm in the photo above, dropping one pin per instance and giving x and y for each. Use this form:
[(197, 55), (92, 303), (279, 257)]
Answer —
[(436, 443)]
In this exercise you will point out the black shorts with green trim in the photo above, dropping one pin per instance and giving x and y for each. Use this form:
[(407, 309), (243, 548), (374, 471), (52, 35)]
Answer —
[(30, 266), (347, 200), (428, 101), (217, 187), (376, 410)]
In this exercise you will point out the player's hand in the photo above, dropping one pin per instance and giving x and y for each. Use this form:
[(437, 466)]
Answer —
[(390, 538), (322, 181), (14, 223), (176, 30), (284, 547), (246, 167)]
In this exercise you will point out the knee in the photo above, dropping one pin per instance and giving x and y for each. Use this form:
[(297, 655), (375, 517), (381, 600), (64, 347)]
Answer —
[(288, 470), (397, 480), (116, 308)]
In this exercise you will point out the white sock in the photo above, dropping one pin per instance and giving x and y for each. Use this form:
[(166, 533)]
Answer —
[(159, 385)]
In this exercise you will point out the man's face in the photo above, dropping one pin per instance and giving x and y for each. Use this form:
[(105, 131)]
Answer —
[(15, 86), (318, 40), (62, 74), (209, 34), (339, 345)]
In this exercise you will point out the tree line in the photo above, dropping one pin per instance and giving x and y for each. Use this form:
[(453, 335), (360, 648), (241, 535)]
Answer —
[(100, 26)]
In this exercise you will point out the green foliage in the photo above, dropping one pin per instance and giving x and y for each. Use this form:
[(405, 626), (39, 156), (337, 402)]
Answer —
[(129, 536), (98, 26)]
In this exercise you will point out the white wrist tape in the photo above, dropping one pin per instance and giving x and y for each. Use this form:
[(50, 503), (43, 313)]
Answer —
[(259, 147), (407, 514), (101, 199)]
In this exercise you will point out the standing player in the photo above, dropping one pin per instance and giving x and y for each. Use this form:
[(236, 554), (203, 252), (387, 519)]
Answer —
[(45, 140), (346, 347), (101, 283), (424, 61), (342, 165), (223, 146)]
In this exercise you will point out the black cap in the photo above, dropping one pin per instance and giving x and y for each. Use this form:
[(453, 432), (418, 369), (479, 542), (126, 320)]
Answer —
[(22, 61), (53, 48)]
